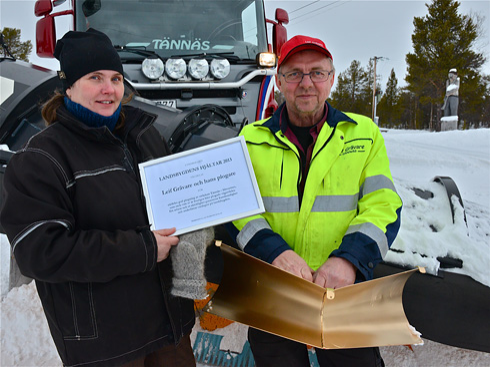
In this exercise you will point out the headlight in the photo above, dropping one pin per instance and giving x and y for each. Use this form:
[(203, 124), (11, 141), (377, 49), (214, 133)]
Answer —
[(267, 59), (153, 68), (220, 68), (176, 68), (198, 68)]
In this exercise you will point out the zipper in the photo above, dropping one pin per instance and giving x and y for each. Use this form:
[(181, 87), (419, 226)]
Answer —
[(324, 144), (128, 159), (129, 165), (300, 173), (131, 168)]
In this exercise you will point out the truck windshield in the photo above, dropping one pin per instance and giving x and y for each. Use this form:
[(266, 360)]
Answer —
[(178, 27)]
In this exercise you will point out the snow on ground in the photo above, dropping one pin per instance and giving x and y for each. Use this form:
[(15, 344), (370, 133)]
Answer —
[(416, 158)]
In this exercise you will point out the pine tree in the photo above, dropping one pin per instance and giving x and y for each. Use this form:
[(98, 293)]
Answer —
[(486, 103), (442, 40), (410, 112), (349, 94), (340, 96), (388, 109), (11, 38)]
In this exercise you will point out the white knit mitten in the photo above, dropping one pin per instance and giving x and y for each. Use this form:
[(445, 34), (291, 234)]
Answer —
[(188, 264)]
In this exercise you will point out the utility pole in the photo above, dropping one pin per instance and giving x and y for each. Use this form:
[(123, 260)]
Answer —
[(376, 58)]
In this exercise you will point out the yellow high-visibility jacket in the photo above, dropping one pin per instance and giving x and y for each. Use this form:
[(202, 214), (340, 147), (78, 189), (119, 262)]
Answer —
[(349, 208)]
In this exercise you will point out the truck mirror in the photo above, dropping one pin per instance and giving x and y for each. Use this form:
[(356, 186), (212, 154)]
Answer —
[(282, 16), (45, 37), (42, 8), (279, 37), (279, 32)]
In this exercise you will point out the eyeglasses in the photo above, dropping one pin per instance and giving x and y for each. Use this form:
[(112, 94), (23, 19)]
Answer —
[(315, 76)]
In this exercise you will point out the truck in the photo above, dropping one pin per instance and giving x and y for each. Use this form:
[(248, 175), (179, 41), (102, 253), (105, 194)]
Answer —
[(183, 54), (189, 62)]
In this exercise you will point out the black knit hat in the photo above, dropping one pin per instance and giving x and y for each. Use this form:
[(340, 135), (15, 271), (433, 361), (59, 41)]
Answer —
[(81, 53)]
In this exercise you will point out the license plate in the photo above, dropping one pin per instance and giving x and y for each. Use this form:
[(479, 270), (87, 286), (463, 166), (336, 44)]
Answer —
[(167, 103)]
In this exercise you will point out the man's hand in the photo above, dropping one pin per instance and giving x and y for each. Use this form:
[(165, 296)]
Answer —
[(293, 263), (336, 272), (165, 242)]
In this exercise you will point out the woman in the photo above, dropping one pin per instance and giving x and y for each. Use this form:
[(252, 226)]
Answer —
[(75, 216)]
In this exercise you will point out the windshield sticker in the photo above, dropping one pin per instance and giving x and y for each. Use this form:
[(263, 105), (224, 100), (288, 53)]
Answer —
[(172, 44), (222, 47), (138, 44)]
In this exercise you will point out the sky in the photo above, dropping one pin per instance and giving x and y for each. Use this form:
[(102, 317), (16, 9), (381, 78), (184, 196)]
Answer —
[(352, 29), (416, 157)]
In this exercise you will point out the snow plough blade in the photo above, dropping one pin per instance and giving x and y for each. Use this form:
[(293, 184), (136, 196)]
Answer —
[(449, 308), (263, 296)]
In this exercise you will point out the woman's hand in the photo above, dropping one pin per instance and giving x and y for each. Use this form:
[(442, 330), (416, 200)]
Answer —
[(165, 242)]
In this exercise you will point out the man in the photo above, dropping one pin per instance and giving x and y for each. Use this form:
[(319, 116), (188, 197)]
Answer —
[(332, 211)]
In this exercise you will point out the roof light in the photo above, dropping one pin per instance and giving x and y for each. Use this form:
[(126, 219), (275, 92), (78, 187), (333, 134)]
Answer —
[(153, 68), (176, 68), (220, 68), (198, 68)]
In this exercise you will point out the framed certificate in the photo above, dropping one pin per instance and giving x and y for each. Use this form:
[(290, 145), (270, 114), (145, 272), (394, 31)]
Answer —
[(202, 187)]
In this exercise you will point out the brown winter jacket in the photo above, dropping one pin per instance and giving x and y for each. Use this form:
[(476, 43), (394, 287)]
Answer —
[(75, 215)]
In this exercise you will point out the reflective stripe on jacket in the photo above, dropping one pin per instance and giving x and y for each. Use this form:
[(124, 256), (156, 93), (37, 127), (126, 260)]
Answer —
[(350, 207)]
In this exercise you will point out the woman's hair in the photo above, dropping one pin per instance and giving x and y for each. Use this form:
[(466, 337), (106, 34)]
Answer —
[(50, 108)]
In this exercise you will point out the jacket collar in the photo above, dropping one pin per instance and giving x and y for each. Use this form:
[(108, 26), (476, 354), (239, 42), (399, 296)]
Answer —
[(334, 116)]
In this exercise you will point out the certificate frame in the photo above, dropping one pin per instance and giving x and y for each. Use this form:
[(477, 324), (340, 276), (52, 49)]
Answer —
[(195, 189)]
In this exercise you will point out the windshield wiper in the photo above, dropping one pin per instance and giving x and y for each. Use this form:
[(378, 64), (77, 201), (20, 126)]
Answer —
[(140, 50), (226, 55)]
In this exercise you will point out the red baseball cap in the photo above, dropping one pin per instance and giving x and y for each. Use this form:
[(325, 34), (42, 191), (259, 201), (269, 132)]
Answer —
[(301, 43)]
